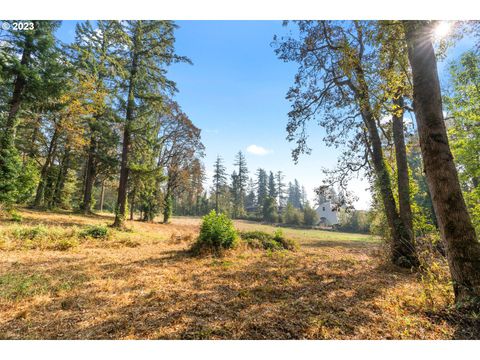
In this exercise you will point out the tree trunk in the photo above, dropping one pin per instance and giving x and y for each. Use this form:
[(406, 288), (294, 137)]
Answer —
[(17, 96), (44, 172), (132, 204), (402, 252), (62, 176), (403, 180), (462, 246), (90, 174), (124, 170), (102, 195), (32, 151), (167, 207)]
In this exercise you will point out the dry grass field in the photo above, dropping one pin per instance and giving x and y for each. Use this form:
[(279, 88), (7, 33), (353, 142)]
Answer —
[(144, 284)]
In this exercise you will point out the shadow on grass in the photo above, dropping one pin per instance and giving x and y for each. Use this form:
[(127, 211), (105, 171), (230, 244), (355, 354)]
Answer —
[(272, 298)]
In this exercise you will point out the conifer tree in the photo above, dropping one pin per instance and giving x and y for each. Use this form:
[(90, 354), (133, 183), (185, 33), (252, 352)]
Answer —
[(219, 180), (147, 48)]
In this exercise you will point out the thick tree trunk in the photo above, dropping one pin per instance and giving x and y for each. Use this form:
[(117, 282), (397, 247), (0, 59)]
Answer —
[(402, 169), (90, 174), (124, 170), (402, 251), (462, 246)]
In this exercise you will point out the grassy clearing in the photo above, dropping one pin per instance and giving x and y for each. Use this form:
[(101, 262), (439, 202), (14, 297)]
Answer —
[(108, 289), (304, 236)]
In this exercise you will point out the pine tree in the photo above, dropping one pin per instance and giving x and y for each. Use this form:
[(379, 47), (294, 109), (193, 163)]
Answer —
[(24, 56), (272, 187), (97, 60), (241, 183), (219, 181), (147, 47), (262, 190), (280, 188)]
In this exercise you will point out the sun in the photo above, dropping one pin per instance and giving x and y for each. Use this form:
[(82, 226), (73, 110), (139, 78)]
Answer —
[(442, 29)]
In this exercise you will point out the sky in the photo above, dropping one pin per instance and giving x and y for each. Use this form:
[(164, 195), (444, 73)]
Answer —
[(235, 92)]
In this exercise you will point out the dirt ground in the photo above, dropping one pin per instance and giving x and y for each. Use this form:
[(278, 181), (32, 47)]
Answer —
[(147, 286)]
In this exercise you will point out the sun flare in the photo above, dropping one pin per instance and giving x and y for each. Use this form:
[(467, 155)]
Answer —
[(442, 29)]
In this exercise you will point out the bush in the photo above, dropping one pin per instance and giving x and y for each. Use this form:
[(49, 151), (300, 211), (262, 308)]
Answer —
[(293, 216), (39, 237), (96, 232), (310, 216), (30, 233), (15, 217), (269, 210), (217, 233), (263, 240)]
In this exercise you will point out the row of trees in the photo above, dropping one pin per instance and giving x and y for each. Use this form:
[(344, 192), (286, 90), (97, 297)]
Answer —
[(359, 79), (264, 196), (97, 112)]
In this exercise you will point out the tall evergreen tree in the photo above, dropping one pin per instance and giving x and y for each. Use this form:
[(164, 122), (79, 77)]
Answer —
[(279, 178), (219, 180), (148, 48), (272, 186), (24, 55), (97, 60), (241, 183), (262, 188)]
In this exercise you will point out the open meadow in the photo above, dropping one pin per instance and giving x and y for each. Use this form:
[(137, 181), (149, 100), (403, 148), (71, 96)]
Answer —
[(144, 284)]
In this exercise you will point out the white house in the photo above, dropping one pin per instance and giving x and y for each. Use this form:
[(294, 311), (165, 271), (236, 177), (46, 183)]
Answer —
[(326, 215)]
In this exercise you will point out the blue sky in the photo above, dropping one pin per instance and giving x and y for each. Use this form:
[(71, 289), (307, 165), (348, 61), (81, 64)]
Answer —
[(235, 92)]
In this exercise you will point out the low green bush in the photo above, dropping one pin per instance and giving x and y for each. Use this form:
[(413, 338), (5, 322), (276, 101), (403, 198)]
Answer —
[(96, 232), (30, 233), (217, 233), (16, 217), (262, 240)]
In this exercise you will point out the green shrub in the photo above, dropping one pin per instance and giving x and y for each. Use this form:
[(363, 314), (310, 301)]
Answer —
[(15, 217), (30, 233), (96, 232), (216, 233), (292, 216), (262, 240), (310, 216)]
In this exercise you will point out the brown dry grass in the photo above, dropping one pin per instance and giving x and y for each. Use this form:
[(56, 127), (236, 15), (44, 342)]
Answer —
[(156, 290)]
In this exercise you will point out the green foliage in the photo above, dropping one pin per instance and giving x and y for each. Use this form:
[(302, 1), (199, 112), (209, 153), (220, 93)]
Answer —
[(357, 221), (463, 106), (167, 208), (217, 233), (27, 181), (16, 217), (292, 215), (31, 233), (39, 237), (310, 216), (96, 232), (9, 170), (262, 240), (270, 210)]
